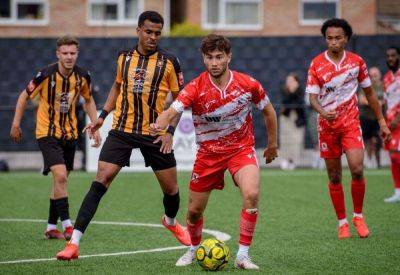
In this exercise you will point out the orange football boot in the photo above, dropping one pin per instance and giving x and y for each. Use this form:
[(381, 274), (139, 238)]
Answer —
[(361, 227), (70, 252), (344, 231), (181, 234), (68, 232), (53, 234)]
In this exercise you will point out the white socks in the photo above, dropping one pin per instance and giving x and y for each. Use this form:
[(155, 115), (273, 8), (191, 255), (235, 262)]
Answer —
[(397, 191), (76, 237), (66, 223), (51, 227), (243, 251), (358, 215), (342, 222), (170, 221)]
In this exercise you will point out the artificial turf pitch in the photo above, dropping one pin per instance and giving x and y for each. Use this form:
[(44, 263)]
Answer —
[(296, 230)]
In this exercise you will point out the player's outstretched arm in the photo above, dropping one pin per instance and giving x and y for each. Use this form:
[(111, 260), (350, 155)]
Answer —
[(271, 152), (90, 108), (376, 108), (16, 132), (162, 121), (328, 115)]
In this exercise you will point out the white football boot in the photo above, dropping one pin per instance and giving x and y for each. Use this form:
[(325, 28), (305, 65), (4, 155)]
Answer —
[(244, 262), (394, 198), (187, 258)]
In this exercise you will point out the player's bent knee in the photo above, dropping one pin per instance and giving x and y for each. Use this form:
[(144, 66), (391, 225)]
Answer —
[(60, 179), (335, 178), (251, 197)]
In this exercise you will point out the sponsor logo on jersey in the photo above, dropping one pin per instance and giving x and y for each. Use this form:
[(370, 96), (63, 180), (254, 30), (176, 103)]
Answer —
[(324, 147)]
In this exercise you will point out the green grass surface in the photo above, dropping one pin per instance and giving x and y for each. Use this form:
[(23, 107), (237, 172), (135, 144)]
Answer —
[(296, 230)]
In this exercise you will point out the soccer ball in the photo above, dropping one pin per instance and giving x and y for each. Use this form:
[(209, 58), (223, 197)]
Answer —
[(212, 254)]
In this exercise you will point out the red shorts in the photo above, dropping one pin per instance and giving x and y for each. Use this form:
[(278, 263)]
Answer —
[(209, 169), (394, 143), (332, 144)]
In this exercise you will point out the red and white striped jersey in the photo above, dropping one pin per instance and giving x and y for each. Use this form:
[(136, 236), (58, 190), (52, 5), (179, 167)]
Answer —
[(391, 85), (222, 118), (337, 85)]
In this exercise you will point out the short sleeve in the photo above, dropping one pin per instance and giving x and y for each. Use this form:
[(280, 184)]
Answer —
[(313, 84), (185, 98), (35, 85), (258, 95), (363, 76), (118, 75), (175, 79), (85, 91)]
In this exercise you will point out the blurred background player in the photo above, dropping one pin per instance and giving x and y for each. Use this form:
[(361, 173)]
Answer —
[(221, 108), (333, 79), (58, 86), (291, 123), (369, 123), (145, 75), (391, 82)]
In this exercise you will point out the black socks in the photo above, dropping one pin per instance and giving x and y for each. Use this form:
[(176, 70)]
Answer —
[(89, 206)]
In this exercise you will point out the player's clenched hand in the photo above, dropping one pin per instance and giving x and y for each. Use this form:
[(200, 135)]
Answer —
[(92, 127), (97, 139), (155, 129), (166, 143), (270, 153), (16, 133), (385, 133), (329, 115)]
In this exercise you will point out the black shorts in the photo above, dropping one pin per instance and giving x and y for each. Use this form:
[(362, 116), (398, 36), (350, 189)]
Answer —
[(118, 147), (57, 151), (370, 128)]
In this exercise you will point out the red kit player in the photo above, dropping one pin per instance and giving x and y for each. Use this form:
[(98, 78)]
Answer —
[(391, 82), (332, 84), (221, 102)]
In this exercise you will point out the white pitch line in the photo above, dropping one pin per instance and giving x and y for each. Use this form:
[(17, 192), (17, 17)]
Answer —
[(217, 234)]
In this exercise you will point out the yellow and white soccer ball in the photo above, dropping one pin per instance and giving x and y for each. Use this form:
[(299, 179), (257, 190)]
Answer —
[(212, 254)]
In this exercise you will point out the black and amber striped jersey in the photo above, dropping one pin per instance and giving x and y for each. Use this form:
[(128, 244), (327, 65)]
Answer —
[(56, 115), (145, 81)]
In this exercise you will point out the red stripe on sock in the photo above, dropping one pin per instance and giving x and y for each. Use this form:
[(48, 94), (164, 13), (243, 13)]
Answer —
[(247, 227), (357, 193), (395, 167), (337, 197), (195, 231)]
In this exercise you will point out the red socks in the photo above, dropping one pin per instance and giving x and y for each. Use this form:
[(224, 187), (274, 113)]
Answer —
[(337, 197), (195, 231), (247, 226), (395, 166), (357, 193)]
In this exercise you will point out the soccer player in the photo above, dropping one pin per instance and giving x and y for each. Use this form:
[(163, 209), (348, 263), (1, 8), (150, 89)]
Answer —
[(333, 79), (58, 86), (145, 75), (391, 83), (221, 102)]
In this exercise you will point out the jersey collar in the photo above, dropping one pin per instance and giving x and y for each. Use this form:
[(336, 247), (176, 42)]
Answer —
[(222, 92), (149, 54), (337, 66)]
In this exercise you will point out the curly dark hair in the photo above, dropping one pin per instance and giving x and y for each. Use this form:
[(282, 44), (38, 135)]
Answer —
[(338, 23), (397, 49), (152, 16)]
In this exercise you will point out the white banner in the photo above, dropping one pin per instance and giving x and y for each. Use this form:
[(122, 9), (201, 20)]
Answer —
[(184, 146)]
